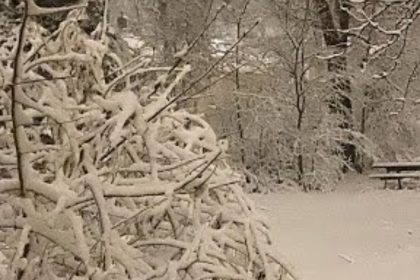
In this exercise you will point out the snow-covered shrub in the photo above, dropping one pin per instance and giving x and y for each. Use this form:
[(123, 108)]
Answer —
[(103, 178)]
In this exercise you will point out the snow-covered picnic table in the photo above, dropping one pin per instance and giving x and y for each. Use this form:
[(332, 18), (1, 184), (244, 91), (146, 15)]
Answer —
[(393, 171)]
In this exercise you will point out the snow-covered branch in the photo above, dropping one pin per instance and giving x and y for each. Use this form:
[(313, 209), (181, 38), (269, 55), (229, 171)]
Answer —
[(117, 182)]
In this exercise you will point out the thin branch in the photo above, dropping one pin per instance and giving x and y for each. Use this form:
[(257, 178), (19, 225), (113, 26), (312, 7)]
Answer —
[(209, 85), (18, 134), (190, 47), (105, 20), (43, 80), (191, 86)]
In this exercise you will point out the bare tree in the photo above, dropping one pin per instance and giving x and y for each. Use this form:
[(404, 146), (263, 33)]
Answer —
[(379, 26)]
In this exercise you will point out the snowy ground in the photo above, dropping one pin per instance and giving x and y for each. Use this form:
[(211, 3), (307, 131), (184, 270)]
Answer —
[(358, 232)]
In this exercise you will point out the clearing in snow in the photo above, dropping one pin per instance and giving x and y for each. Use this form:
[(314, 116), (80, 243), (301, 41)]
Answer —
[(358, 232)]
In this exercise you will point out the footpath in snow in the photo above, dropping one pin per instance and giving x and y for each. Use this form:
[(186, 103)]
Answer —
[(358, 232)]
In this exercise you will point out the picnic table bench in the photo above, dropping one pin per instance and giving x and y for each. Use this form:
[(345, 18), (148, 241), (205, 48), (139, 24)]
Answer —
[(394, 171)]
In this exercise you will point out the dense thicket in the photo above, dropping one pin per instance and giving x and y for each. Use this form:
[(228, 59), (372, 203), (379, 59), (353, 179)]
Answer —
[(102, 177)]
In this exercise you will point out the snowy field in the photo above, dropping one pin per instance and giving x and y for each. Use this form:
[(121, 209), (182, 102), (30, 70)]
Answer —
[(358, 232)]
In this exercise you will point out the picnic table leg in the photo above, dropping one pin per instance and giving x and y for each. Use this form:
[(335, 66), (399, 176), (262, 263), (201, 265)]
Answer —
[(386, 181), (398, 180), (399, 184)]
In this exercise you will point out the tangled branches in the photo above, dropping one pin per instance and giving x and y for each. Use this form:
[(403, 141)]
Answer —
[(94, 188)]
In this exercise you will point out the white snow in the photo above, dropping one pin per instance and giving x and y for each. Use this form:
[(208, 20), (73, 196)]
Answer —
[(358, 232), (133, 41)]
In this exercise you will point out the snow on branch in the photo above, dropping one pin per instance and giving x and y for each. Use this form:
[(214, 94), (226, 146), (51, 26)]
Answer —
[(111, 191), (381, 27)]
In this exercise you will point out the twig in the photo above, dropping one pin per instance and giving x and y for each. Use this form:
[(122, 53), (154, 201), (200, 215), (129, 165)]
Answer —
[(104, 220), (17, 129), (42, 80), (346, 258), (105, 21)]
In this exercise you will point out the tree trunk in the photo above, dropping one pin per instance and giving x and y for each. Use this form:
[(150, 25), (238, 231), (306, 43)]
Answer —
[(333, 19), (237, 100)]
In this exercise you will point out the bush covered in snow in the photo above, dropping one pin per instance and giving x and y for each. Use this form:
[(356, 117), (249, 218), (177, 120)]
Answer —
[(103, 178)]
